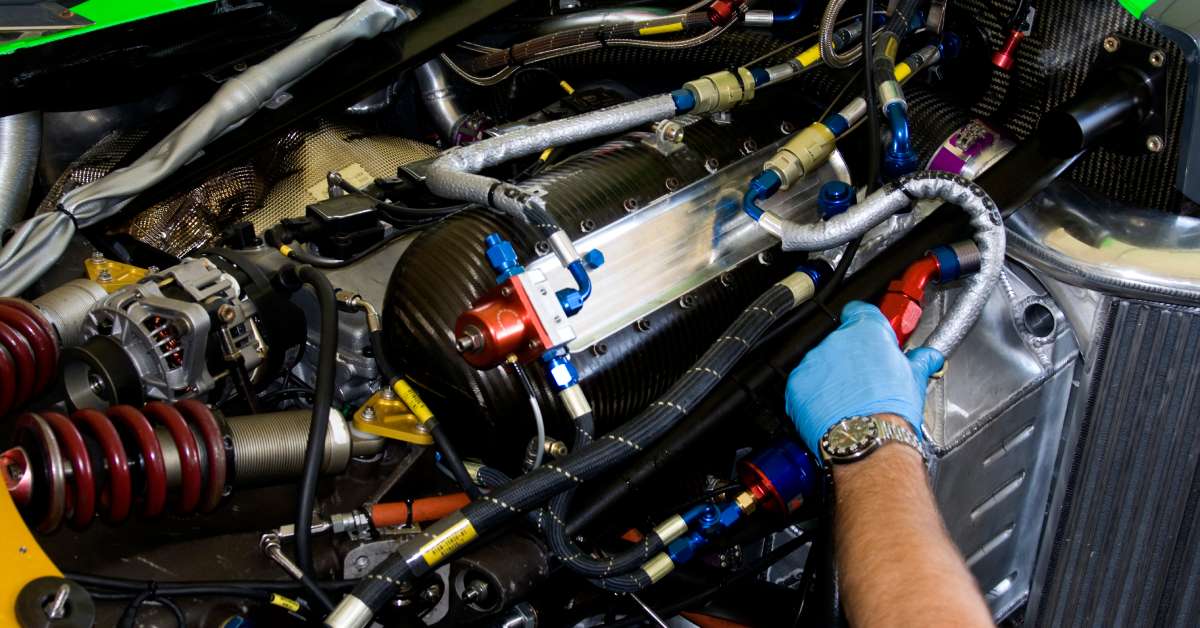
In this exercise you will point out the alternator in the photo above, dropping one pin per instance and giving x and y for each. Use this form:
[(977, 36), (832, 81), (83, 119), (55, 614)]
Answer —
[(151, 340)]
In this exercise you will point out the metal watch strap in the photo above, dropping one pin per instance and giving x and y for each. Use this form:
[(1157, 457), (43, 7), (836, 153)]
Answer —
[(893, 432)]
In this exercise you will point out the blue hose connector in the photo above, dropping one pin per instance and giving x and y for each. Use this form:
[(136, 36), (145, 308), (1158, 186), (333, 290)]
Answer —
[(502, 257), (685, 101), (761, 187), (835, 197), (899, 159)]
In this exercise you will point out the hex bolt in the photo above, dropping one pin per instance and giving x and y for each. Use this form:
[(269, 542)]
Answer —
[(711, 164), (97, 256), (432, 593), (586, 225), (471, 340), (475, 590), (631, 205), (226, 313), (1154, 143), (672, 184), (104, 276), (56, 608), (542, 248), (368, 413), (1111, 44), (387, 393), (506, 291), (1158, 58), (361, 562)]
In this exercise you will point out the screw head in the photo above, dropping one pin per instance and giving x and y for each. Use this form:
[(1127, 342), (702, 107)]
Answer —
[(586, 225), (749, 146), (98, 256), (672, 184), (226, 313), (1158, 58), (361, 562), (599, 349), (1111, 44), (104, 275), (642, 324), (542, 248), (786, 128), (369, 413), (711, 164), (1154, 143)]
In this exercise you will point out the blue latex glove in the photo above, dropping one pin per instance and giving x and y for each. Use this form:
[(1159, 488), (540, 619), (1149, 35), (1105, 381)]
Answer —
[(859, 370)]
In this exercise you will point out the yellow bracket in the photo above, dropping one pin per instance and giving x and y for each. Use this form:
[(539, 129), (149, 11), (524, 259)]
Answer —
[(386, 415), (23, 559), (113, 276)]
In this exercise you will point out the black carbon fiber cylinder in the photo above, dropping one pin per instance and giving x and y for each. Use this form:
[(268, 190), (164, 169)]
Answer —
[(444, 272)]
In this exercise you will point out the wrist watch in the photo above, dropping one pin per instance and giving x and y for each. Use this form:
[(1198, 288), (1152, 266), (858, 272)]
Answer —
[(854, 438)]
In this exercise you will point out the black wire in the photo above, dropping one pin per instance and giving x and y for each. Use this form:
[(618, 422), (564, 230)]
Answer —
[(312, 259), (129, 617), (310, 585), (873, 147), (322, 402)]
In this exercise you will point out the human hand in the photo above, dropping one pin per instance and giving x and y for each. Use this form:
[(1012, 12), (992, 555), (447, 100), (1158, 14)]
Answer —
[(859, 370)]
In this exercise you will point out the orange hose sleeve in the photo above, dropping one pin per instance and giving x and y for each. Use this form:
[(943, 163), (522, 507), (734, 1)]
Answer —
[(424, 509)]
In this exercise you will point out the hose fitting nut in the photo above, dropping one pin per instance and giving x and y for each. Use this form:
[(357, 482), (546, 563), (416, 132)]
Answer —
[(721, 91), (803, 153)]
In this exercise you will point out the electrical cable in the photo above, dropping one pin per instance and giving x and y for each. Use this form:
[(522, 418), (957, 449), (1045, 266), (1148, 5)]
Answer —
[(453, 462), (129, 617), (537, 412), (322, 402), (189, 587)]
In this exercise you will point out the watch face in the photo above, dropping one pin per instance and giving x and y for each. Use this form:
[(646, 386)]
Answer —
[(850, 438)]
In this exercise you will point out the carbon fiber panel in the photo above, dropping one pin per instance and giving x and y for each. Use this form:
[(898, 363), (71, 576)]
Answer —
[(1053, 62)]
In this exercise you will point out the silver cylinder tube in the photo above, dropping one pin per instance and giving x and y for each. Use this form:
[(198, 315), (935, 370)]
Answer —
[(439, 99), (67, 306), (270, 447), (20, 145)]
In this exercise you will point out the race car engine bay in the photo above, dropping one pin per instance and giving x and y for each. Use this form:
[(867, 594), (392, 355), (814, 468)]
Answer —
[(480, 312)]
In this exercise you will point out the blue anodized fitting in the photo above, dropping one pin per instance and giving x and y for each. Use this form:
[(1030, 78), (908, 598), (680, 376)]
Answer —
[(502, 257), (900, 158), (835, 197), (560, 371)]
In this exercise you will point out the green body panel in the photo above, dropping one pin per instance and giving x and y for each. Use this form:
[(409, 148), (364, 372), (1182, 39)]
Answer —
[(103, 14)]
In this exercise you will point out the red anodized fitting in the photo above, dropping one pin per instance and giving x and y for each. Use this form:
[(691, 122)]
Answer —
[(502, 323), (1007, 55), (901, 305), (28, 353), (71, 468)]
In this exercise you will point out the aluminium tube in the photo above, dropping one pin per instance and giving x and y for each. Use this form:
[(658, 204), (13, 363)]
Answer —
[(439, 99), (20, 145)]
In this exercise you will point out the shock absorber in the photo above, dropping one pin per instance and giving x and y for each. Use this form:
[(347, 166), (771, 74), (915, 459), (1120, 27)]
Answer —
[(31, 335), (28, 353), (183, 457)]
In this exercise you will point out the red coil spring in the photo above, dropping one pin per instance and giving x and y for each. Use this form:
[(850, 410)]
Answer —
[(71, 468), (28, 353)]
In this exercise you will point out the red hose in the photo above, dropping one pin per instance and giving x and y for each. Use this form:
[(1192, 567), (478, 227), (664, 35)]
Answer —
[(424, 509)]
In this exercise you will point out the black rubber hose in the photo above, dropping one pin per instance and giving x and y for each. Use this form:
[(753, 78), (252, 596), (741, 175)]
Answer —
[(452, 460), (539, 485), (386, 370), (172, 587), (577, 560), (322, 402)]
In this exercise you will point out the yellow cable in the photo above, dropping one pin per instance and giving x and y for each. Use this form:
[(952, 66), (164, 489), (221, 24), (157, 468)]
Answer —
[(673, 27), (566, 87)]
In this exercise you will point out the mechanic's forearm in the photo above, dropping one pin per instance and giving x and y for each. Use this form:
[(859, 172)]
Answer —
[(897, 564)]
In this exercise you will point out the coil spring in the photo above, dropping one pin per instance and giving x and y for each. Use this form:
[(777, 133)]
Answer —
[(28, 353), (71, 468)]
